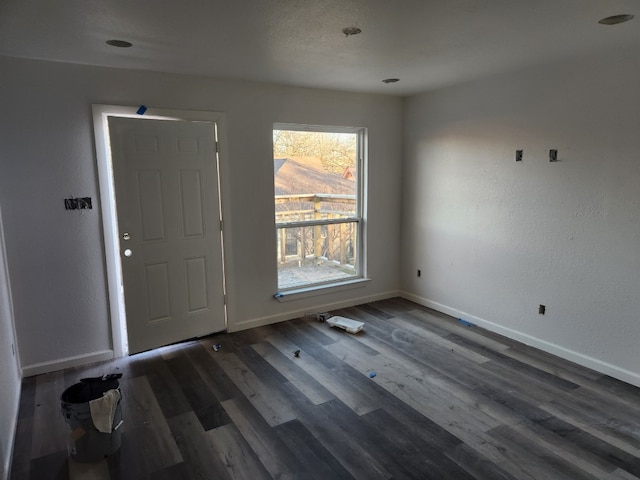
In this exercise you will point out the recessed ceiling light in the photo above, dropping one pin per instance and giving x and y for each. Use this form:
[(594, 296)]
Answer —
[(615, 19), (390, 80), (119, 43), (349, 31)]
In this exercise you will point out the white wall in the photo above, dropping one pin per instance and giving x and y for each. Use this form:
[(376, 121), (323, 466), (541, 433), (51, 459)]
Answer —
[(9, 369), (495, 238), (47, 154)]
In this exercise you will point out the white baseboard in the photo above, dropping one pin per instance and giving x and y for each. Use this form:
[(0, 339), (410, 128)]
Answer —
[(593, 363), (68, 362), (262, 321)]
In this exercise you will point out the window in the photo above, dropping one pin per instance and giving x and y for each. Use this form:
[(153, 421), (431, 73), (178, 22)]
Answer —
[(318, 201)]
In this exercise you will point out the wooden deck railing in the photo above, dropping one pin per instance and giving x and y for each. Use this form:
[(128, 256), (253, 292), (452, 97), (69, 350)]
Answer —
[(309, 218)]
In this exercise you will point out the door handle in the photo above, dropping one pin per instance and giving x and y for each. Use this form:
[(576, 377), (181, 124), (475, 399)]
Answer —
[(126, 236)]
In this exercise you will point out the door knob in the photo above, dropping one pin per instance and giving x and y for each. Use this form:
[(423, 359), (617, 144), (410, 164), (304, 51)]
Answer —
[(126, 236)]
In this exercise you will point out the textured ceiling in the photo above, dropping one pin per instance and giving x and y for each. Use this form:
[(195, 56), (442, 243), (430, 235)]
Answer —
[(425, 43)]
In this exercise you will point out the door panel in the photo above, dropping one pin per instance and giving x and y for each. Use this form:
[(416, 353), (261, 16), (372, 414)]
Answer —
[(166, 186), (191, 191)]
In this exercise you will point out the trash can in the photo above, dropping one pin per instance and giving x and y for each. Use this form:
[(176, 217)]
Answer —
[(92, 410)]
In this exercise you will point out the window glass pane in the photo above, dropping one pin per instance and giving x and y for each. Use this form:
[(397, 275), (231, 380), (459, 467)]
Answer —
[(298, 264)]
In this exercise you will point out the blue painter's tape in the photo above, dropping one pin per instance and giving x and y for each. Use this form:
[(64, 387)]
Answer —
[(465, 323), (141, 110), (278, 295), (372, 374)]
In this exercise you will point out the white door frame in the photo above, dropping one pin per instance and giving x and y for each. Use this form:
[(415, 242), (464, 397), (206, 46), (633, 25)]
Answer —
[(108, 203)]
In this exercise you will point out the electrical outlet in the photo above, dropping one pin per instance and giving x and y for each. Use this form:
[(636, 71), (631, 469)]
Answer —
[(418, 273), (553, 155), (542, 309), (519, 155)]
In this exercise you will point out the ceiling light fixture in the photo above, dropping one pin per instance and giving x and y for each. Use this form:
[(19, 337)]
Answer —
[(349, 31), (615, 19), (119, 43), (390, 80)]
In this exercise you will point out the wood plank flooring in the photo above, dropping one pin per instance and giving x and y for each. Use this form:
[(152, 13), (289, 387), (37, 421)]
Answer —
[(447, 401)]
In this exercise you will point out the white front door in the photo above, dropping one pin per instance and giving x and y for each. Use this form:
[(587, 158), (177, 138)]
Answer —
[(169, 226)]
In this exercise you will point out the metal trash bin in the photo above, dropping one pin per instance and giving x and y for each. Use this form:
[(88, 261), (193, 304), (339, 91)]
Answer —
[(86, 443)]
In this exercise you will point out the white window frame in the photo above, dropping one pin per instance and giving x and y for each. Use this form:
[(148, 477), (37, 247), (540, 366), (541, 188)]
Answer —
[(359, 218)]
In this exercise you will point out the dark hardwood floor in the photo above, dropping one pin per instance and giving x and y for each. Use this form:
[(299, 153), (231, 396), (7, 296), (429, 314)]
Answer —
[(447, 401)]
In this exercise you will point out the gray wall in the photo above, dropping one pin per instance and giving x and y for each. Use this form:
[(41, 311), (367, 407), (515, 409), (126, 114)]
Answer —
[(56, 257), (9, 369), (495, 238)]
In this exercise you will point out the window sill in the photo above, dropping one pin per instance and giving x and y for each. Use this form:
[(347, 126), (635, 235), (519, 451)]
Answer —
[(313, 291)]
